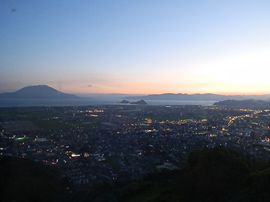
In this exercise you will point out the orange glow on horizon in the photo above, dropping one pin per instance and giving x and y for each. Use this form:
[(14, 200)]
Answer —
[(244, 72), (159, 89)]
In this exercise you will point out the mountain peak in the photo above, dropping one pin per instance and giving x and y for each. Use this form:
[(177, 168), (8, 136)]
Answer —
[(37, 87), (37, 92)]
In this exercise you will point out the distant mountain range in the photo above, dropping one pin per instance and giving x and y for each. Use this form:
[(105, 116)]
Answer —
[(37, 92), (205, 97)]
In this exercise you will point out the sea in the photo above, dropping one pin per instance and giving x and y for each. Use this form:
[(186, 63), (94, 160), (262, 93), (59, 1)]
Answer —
[(93, 101)]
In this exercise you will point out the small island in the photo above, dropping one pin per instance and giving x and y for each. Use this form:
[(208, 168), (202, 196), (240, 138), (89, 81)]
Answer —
[(124, 102), (139, 102)]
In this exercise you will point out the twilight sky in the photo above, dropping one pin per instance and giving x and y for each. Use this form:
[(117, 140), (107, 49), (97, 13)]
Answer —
[(136, 46)]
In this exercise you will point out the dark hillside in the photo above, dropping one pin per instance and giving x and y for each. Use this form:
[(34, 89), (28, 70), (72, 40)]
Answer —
[(26, 181), (210, 176)]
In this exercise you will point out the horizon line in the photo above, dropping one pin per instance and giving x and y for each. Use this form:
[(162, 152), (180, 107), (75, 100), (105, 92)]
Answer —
[(142, 94)]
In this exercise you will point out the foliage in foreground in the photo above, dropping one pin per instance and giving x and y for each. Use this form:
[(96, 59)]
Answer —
[(216, 175), (210, 175)]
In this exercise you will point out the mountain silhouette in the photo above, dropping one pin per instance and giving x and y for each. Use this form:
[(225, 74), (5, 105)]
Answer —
[(37, 92), (198, 96)]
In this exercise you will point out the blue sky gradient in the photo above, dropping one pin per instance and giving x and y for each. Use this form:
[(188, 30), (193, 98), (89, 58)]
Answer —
[(136, 46)]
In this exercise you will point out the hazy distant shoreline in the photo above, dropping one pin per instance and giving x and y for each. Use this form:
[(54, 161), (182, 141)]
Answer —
[(89, 101)]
